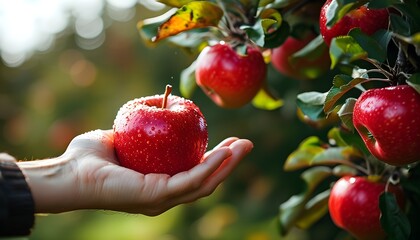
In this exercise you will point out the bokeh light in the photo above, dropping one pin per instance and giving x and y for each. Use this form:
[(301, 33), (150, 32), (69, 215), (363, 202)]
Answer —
[(30, 26)]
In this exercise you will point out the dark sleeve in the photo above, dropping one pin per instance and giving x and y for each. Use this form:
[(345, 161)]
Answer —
[(16, 202)]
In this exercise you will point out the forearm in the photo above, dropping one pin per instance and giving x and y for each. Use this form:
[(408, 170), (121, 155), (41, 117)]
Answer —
[(52, 184)]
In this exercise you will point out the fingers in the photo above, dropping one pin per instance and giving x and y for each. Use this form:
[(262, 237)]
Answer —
[(224, 143), (239, 149), (192, 179)]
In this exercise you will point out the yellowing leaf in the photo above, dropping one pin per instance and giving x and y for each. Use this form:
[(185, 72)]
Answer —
[(266, 101), (175, 3), (271, 19), (293, 211), (315, 209), (197, 14)]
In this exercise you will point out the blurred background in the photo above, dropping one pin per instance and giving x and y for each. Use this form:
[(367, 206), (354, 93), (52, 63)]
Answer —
[(66, 68)]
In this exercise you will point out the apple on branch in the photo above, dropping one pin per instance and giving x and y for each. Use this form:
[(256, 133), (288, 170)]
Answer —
[(303, 68), (388, 120), (354, 205), (230, 79), (160, 134), (368, 20)]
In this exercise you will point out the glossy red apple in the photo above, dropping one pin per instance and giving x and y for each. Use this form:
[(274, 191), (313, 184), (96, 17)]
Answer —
[(368, 20), (354, 206), (388, 120), (301, 68), (231, 80), (160, 134)]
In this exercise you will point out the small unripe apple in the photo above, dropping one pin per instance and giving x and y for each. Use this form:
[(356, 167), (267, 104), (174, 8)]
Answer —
[(160, 134), (230, 79), (388, 120)]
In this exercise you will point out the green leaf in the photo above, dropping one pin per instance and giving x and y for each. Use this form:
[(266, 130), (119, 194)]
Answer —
[(346, 113), (276, 38), (344, 170), (266, 101), (339, 8), (341, 85), (255, 32), (334, 155), (315, 209), (187, 81), (411, 184), (369, 44), (383, 37), (301, 158), (175, 3), (377, 4), (313, 51), (393, 221), (270, 26), (411, 10), (345, 49), (280, 3), (193, 15), (414, 40), (414, 81), (293, 210), (344, 137), (191, 41), (334, 135), (313, 152), (312, 104), (399, 25), (271, 19)]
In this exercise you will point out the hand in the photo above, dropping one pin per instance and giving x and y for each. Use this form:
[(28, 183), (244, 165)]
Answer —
[(88, 176)]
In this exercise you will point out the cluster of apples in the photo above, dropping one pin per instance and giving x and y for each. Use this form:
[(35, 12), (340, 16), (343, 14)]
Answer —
[(387, 120)]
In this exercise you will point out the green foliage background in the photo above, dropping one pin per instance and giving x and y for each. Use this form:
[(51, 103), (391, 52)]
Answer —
[(66, 91)]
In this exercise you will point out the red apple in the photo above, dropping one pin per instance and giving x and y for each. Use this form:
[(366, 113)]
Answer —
[(160, 134), (368, 20), (388, 120), (231, 80), (302, 68), (354, 206)]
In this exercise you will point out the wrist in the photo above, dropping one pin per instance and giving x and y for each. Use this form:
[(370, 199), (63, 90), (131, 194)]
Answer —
[(52, 184)]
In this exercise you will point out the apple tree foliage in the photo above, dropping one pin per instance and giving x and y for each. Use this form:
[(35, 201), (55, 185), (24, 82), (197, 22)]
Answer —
[(388, 57)]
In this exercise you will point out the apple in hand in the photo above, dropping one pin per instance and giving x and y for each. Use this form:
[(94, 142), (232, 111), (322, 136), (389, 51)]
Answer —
[(354, 205), (368, 20), (301, 68), (230, 79), (388, 120), (160, 134)]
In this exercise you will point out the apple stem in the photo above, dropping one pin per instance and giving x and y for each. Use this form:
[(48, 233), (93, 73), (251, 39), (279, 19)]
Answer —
[(168, 91)]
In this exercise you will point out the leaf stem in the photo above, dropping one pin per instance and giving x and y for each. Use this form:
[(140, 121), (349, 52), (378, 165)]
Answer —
[(352, 165), (381, 69)]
